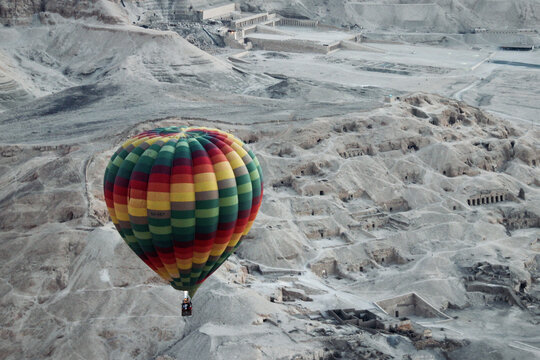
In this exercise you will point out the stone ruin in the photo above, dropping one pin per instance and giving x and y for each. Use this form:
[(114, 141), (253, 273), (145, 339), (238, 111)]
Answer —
[(325, 267), (498, 284), (396, 205), (420, 336), (368, 320), (375, 217), (410, 304), (360, 318), (498, 293), (370, 219), (515, 219), (387, 256), (291, 294)]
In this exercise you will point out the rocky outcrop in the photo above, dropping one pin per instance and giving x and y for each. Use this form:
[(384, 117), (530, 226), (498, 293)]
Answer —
[(23, 12)]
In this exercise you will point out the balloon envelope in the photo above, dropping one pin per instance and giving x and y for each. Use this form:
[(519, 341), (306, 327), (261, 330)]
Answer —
[(182, 198)]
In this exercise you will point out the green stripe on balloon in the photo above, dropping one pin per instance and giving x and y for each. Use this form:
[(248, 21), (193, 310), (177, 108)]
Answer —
[(142, 232)]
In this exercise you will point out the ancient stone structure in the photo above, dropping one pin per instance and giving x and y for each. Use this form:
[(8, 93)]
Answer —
[(497, 283), (371, 219), (325, 267), (362, 318), (288, 294), (516, 47), (240, 26), (216, 11), (487, 197), (299, 22), (500, 293), (294, 45), (506, 31), (365, 319), (515, 219), (387, 256), (356, 151), (396, 205), (249, 20), (410, 304)]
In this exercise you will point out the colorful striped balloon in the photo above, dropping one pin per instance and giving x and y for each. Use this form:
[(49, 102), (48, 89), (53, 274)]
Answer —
[(182, 198)]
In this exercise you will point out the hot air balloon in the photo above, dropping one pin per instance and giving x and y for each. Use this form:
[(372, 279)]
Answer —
[(182, 198)]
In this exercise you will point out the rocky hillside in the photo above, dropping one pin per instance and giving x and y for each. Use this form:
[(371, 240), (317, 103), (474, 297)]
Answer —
[(379, 200), (24, 12), (68, 55), (448, 16)]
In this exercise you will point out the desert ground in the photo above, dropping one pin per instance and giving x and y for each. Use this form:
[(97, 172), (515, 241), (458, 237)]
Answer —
[(405, 160)]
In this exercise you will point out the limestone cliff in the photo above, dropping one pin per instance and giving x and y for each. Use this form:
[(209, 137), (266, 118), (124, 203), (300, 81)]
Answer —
[(441, 16), (24, 11)]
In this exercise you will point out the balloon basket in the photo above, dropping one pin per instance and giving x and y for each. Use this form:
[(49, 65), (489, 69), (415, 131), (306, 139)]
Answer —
[(186, 305)]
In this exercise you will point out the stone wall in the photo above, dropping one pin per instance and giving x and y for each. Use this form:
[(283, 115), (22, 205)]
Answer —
[(325, 267), (363, 318), (396, 205), (292, 45), (372, 222), (409, 305), (500, 292), (217, 11), (387, 256)]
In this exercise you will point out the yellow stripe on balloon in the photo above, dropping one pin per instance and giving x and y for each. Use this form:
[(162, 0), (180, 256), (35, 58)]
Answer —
[(182, 192), (164, 274), (137, 207), (159, 205), (235, 239), (223, 171), (182, 196), (206, 185), (112, 213), (200, 258), (204, 177), (239, 150), (218, 249), (172, 270), (183, 264), (248, 227), (235, 160), (121, 211)]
